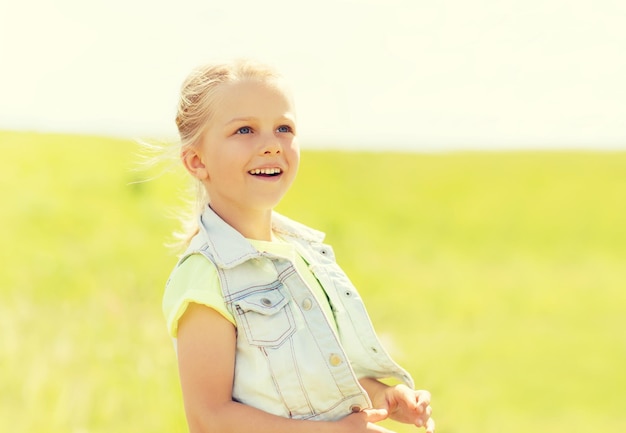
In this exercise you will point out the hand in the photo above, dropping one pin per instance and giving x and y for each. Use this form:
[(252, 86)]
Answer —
[(409, 406), (365, 421)]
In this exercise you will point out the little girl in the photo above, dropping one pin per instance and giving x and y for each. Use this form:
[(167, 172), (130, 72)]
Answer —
[(271, 335)]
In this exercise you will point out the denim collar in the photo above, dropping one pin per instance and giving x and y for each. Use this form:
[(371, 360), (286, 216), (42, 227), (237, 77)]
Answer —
[(230, 248)]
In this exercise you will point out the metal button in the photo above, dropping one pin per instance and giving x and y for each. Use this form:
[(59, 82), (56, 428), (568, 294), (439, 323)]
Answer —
[(335, 360), (307, 304), (266, 302), (355, 408)]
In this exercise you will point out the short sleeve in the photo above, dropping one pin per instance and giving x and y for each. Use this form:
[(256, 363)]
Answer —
[(195, 280)]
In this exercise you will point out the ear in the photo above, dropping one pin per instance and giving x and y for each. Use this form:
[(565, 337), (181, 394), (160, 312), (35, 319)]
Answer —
[(192, 161)]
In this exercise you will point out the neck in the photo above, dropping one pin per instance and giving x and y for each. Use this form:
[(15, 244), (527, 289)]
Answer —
[(251, 224)]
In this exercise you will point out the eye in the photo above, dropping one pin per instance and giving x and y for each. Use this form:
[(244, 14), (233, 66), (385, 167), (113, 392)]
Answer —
[(284, 128), (244, 130)]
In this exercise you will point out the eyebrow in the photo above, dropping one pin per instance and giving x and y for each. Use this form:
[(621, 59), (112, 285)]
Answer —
[(248, 119), (239, 119)]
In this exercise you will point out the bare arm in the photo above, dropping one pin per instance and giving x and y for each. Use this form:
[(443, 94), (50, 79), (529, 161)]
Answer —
[(206, 357)]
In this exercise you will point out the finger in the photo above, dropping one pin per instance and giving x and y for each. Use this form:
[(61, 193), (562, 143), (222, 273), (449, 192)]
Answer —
[(375, 415), (430, 425), (423, 398), (422, 419), (406, 396)]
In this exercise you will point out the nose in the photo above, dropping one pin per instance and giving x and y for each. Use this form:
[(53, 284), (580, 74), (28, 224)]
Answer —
[(271, 145)]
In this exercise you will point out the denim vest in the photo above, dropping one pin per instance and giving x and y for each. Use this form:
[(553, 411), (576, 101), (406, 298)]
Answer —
[(289, 360)]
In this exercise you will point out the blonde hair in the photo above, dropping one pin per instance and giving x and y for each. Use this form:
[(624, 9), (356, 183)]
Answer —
[(196, 106)]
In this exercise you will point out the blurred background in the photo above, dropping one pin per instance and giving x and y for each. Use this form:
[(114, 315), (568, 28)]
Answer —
[(393, 74), (481, 146)]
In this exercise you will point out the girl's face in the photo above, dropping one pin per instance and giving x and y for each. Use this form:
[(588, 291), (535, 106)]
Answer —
[(248, 157)]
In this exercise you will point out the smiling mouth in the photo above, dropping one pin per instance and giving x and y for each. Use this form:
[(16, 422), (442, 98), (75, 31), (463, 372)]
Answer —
[(265, 172)]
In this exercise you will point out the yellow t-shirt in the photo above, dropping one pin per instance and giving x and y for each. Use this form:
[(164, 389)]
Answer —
[(196, 280)]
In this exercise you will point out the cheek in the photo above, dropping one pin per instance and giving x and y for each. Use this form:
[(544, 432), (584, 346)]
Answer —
[(221, 160), (217, 172), (294, 164), (294, 152)]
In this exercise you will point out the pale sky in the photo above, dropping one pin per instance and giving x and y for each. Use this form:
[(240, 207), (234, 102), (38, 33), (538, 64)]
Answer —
[(375, 74)]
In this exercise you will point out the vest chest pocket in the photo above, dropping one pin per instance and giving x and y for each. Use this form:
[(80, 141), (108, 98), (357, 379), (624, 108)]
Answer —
[(265, 317)]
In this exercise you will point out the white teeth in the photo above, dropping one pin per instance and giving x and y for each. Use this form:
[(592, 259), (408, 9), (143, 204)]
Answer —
[(269, 171)]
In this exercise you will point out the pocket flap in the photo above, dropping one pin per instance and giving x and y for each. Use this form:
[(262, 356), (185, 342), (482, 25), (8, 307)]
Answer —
[(267, 303)]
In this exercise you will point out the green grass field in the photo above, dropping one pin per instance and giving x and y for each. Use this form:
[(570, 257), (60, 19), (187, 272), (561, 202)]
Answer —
[(497, 279)]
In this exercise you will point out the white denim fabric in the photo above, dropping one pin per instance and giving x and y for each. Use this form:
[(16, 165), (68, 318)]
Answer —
[(289, 360)]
